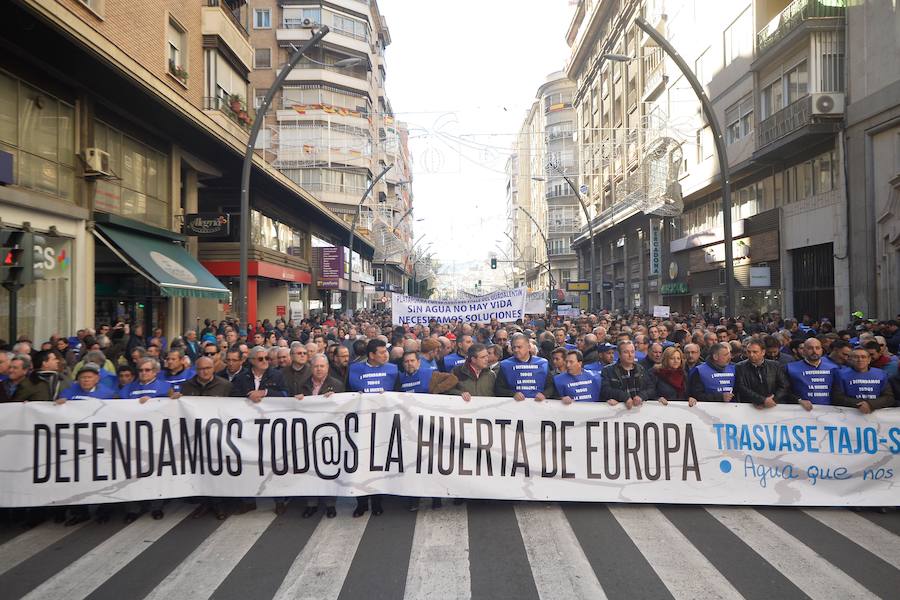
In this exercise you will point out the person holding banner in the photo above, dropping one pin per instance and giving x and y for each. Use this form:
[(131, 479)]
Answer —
[(626, 381), (861, 386), (713, 380), (576, 384), (86, 386), (148, 384), (463, 343), (760, 380), (812, 378), (373, 375), (474, 377), (414, 376), (261, 380), (670, 379), (523, 375), (175, 372)]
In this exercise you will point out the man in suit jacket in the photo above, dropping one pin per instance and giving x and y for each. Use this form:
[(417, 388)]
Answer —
[(18, 387)]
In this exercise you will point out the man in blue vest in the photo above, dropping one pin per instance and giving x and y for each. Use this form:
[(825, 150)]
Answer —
[(415, 376), (576, 384), (522, 375), (175, 372), (862, 387), (812, 378), (713, 380), (428, 353), (148, 384), (86, 386), (373, 375), (463, 343)]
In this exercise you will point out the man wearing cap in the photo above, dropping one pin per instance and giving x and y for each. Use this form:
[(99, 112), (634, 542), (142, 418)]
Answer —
[(606, 355), (523, 375), (86, 386)]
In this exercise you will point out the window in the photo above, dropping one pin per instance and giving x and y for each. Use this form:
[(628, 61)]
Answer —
[(824, 172), (739, 120), (704, 144), (379, 275), (262, 18), (796, 83), (565, 276), (560, 246), (258, 98), (738, 38), (177, 47), (39, 131), (262, 58), (702, 68), (96, 6), (142, 192), (351, 27), (293, 18), (772, 99)]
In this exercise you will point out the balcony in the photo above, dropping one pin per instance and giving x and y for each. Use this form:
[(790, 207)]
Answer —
[(800, 124), (331, 75), (564, 228), (218, 19), (798, 14)]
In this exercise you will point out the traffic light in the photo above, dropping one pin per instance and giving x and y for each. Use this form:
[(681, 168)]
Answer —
[(17, 250), (493, 262)]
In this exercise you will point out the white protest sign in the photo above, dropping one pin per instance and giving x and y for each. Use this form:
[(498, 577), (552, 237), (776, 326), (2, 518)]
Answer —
[(352, 444), (661, 311), (506, 306)]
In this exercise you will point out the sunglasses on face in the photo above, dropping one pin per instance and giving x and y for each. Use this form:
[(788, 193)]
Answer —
[(145, 370), (210, 353), (262, 359)]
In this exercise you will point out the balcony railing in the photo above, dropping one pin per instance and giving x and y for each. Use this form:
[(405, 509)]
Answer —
[(228, 10), (788, 119), (237, 112), (793, 15)]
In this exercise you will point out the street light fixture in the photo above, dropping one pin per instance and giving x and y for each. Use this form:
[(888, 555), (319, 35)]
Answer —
[(248, 163), (718, 138), (547, 243)]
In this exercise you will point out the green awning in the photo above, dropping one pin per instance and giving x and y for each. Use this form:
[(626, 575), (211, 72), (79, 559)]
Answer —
[(163, 262)]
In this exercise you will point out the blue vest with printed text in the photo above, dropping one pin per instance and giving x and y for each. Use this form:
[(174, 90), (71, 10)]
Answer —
[(75, 392), (862, 386), (417, 382), (363, 377), (584, 387), (451, 360), (526, 377), (812, 383), (716, 381), (154, 389)]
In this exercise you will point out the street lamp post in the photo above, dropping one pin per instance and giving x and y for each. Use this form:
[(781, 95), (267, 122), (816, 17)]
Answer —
[(722, 157), (352, 299), (243, 314), (546, 243), (590, 225)]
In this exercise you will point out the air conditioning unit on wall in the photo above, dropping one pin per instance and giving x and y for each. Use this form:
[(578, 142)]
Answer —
[(96, 163), (827, 103)]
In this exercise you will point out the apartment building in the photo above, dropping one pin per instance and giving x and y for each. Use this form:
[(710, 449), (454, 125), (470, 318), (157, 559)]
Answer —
[(543, 213), (112, 142), (333, 129), (775, 74)]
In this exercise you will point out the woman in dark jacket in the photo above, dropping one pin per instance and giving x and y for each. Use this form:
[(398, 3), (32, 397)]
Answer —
[(670, 379)]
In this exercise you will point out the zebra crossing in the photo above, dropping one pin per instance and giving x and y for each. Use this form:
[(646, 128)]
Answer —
[(476, 550)]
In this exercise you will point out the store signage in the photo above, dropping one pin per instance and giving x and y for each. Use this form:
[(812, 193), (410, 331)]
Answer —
[(578, 286), (760, 277), (328, 284), (207, 224), (674, 288), (280, 310), (52, 256), (655, 250), (331, 262)]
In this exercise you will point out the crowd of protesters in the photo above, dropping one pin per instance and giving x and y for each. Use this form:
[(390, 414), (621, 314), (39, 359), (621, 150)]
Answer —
[(618, 359)]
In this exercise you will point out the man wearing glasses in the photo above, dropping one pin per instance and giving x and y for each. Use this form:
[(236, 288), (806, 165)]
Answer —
[(234, 364), (261, 380), (148, 384), (298, 371)]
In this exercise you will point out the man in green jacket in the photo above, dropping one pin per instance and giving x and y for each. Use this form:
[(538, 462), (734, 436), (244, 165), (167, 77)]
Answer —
[(474, 377), (19, 387)]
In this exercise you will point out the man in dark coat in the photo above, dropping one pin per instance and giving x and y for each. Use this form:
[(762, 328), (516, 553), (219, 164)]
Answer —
[(18, 386), (760, 380)]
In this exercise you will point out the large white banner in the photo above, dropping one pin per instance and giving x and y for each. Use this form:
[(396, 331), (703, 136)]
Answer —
[(420, 445), (506, 306)]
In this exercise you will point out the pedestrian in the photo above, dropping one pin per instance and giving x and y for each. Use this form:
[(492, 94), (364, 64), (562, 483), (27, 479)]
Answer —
[(760, 380)]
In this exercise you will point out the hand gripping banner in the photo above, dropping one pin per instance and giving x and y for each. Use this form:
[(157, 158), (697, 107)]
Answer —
[(506, 306), (419, 445)]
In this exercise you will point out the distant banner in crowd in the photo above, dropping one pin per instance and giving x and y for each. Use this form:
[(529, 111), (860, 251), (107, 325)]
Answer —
[(536, 303), (506, 306), (420, 445)]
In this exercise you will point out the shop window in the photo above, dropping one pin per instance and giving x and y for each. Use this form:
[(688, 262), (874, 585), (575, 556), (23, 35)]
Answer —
[(140, 191), (39, 131)]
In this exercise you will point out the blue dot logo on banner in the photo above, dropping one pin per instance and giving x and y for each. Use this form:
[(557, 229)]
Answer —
[(725, 466)]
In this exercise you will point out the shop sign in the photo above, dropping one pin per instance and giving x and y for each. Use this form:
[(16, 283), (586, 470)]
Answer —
[(328, 284), (760, 277), (674, 288), (52, 256), (578, 286), (331, 263), (280, 310), (207, 224), (655, 250)]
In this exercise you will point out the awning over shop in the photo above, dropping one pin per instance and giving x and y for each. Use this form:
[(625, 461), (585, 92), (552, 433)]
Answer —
[(163, 262)]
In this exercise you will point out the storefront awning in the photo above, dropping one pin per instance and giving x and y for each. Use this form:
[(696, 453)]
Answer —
[(166, 264)]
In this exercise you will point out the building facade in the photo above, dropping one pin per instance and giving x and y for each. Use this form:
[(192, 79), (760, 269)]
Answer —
[(775, 74), (543, 212), (332, 129), (109, 144)]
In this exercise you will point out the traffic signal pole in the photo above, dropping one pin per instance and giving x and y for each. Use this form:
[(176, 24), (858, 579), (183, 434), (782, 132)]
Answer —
[(13, 309)]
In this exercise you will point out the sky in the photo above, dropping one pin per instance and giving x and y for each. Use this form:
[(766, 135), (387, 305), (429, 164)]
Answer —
[(462, 75)]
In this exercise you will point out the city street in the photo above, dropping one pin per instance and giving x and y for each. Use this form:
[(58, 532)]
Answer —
[(479, 550)]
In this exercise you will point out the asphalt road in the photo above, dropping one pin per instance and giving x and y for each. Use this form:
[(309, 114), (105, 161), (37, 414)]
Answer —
[(479, 550)]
